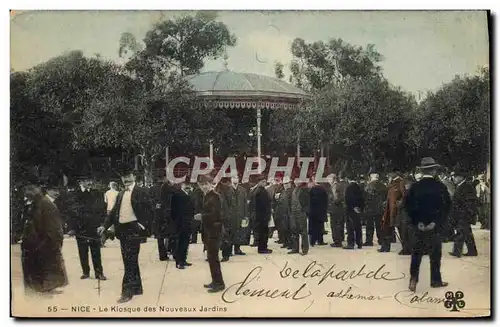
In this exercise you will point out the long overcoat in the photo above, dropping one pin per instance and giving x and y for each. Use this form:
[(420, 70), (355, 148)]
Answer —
[(41, 248), (395, 193)]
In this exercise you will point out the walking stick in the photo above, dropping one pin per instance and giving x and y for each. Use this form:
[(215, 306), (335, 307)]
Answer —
[(397, 235)]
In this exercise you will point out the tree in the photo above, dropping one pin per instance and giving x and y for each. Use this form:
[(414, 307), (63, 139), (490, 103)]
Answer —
[(278, 70), (318, 64), (183, 43), (326, 70), (363, 122), (38, 137), (127, 116), (453, 124)]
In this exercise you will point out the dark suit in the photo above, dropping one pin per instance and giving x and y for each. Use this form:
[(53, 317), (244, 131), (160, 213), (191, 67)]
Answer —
[(354, 199), (427, 201), (211, 216), (182, 215), (262, 215), (198, 204), (165, 228), (376, 194), (88, 213), (131, 235), (463, 213), (318, 214), (338, 212)]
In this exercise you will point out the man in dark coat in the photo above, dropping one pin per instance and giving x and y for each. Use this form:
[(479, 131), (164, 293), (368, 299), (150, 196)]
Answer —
[(278, 189), (183, 216), (299, 210), (90, 213), (197, 196), (165, 232), (376, 193), (253, 187), (427, 204), (224, 190), (355, 204), (239, 216), (395, 192), (402, 222), (318, 214), (262, 201), (464, 210), (132, 212), (283, 213), (338, 211), (42, 241), (211, 217)]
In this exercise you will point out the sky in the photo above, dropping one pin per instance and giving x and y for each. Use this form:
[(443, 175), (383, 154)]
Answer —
[(422, 49)]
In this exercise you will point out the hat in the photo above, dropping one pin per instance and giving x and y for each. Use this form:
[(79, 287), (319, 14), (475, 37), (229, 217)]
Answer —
[(428, 162), (202, 179), (260, 177), (459, 171)]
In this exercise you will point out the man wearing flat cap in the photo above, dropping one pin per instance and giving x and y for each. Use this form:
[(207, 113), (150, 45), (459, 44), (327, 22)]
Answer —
[(427, 205), (464, 211)]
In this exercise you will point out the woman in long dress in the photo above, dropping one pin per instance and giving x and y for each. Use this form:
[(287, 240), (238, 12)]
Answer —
[(41, 255)]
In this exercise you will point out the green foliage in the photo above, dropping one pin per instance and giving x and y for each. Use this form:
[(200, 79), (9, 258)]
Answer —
[(185, 42), (453, 124), (318, 64), (278, 70), (38, 137)]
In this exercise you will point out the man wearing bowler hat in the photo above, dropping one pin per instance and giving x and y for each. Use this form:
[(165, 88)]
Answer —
[(427, 204)]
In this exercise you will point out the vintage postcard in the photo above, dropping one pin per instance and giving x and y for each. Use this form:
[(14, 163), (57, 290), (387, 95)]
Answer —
[(250, 164)]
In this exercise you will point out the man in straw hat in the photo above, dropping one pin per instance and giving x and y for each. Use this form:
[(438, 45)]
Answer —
[(463, 214), (427, 204), (211, 218)]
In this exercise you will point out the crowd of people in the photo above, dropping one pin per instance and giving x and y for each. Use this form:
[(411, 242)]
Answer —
[(421, 210)]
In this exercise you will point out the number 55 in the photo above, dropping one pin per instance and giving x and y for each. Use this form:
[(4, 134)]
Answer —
[(52, 309)]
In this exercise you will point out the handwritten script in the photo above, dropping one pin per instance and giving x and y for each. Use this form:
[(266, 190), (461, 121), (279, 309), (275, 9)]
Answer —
[(247, 287), (314, 272)]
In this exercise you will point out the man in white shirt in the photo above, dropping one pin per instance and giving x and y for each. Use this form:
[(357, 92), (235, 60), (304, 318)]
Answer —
[(110, 200), (131, 216), (110, 196)]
